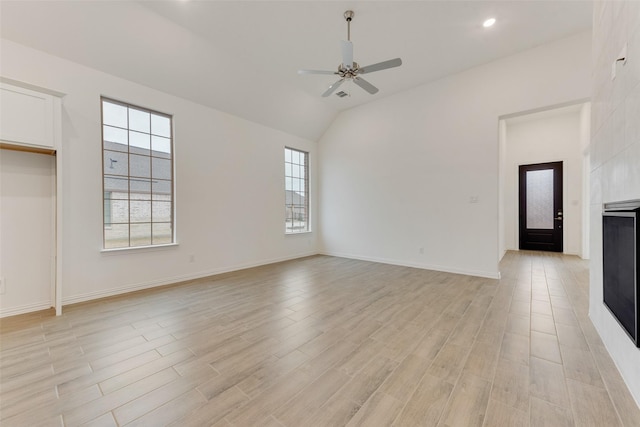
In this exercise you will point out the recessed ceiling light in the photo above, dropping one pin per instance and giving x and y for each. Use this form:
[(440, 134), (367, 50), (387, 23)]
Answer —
[(489, 22)]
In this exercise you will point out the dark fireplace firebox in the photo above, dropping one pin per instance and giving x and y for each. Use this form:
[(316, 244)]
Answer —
[(620, 262)]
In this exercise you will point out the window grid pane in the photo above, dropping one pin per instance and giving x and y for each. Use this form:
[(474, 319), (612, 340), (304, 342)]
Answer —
[(540, 199), (137, 168), (296, 174)]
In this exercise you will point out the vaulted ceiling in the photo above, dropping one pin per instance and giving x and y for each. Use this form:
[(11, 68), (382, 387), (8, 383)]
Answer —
[(242, 56)]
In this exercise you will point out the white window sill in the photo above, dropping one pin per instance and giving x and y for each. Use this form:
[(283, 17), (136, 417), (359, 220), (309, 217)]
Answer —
[(298, 232), (133, 249)]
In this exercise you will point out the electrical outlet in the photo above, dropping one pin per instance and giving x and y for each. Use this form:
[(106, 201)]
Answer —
[(192, 258), (3, 286)]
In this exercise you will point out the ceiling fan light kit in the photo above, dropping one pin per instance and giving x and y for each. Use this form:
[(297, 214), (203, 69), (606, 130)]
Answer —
[(349, 69)]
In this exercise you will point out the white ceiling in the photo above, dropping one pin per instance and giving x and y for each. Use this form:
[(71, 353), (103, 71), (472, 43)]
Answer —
[(243, 56)]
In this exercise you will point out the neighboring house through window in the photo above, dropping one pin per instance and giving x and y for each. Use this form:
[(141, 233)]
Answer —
[(137, 170), (296, 177), (107, 209)]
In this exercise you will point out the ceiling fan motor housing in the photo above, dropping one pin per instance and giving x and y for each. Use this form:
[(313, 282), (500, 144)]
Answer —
[(348, 72)]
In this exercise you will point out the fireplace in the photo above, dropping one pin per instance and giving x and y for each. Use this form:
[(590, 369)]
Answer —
[(620, 262)]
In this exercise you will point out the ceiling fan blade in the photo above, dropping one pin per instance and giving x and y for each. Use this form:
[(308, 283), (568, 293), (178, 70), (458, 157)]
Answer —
[(347, 53), (316, 72), (365, 85), (332, 88), (381, 66)]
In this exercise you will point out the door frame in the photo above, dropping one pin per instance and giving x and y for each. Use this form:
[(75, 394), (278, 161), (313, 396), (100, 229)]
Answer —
[(558, 203), (52, 146)]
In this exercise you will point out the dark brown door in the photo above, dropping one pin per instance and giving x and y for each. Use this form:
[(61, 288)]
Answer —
[(541, 207)]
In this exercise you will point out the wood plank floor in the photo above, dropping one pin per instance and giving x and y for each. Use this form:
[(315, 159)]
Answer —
[(323, 341)]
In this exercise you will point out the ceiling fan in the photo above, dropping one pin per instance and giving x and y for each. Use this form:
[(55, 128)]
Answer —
[(350, 69)]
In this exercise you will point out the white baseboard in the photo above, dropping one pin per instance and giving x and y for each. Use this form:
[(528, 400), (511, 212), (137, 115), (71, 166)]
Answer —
[(607, 345), (172, 280), (477, 273), (23, 309), (202, 274)]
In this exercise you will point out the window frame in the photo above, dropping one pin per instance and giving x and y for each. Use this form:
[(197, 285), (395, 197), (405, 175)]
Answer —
[(306, 184), (170, 181)]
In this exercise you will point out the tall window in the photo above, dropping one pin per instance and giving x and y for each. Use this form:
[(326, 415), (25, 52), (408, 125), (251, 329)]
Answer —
[(296, 178), (137, 168)]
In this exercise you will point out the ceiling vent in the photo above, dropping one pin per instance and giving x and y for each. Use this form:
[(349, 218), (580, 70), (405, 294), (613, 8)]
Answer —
[(342, 94)]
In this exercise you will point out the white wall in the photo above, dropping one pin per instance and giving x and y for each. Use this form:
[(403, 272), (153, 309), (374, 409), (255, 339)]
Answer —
[(615, 158), (398, 174), (585, 141), (26, 230), (229, 179), (539, 138)]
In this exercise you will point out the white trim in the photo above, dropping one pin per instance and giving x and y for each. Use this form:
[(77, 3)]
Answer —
[(128, 249), (29, 86), (175, 279), (476, 273), (54, 231), (545, 109), (294, 233), (23, 309), (572, 254), (57, 140)]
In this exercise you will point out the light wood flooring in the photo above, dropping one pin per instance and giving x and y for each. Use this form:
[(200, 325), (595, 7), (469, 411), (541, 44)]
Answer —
[(323, 341)]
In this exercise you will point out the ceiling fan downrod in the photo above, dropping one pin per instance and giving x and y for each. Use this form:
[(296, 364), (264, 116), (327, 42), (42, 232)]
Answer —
[(348, 15)]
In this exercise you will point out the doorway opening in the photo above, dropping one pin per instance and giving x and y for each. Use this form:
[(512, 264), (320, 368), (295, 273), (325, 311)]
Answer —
[(540, 202), (554, 134), (28, 229)]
